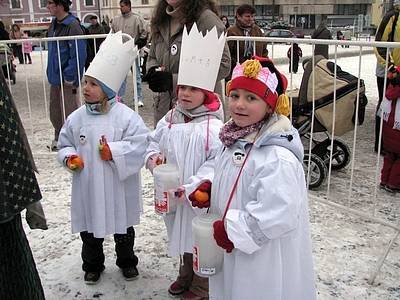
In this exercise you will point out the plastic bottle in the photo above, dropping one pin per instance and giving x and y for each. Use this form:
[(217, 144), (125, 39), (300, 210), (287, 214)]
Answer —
[(166, 177), (208, 257)]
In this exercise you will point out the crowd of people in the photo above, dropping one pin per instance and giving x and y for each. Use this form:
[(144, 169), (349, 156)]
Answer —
[(249, 167)]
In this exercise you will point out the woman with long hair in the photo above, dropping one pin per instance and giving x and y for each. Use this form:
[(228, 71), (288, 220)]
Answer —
[(167, 24), (16, 34)]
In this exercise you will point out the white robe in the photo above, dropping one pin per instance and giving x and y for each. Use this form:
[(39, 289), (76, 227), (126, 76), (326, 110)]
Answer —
[(267, 221), (184, 144), (106, 195)]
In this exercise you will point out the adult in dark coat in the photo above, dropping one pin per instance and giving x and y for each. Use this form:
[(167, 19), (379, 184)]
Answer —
[(19, 189), (322, 33)]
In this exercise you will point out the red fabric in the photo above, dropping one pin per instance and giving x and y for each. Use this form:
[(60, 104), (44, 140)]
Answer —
[(392, 92), (221, 237), (203, 187), (390, 174), (390, 136)]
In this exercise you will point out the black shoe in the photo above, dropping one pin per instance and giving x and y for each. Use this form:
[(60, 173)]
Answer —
[(91, 277), (130, 273), (391, 190)]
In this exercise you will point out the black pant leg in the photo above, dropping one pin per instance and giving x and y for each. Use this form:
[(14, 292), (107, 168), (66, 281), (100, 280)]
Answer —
[(379, 82), (92, 253), (124, 248)]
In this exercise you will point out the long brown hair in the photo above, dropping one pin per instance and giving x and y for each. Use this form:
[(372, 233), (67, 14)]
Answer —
[(191, 9)]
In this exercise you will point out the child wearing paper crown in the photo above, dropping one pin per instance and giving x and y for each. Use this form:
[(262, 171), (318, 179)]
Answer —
[(103, 144), (187, 137), (390, 112), (259, 190)]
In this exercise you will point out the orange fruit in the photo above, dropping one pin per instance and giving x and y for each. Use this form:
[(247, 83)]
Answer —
[(76, 162), (201, 196)]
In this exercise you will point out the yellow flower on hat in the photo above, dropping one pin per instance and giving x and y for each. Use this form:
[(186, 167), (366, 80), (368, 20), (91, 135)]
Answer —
[(251, 68)]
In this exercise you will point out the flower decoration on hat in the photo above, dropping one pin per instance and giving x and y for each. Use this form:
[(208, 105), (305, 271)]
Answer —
[(263, 82)]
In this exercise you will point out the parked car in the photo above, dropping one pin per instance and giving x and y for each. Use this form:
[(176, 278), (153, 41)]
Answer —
[(280, 33)]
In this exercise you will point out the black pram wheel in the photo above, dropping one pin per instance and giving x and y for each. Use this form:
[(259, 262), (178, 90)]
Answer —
[(318, 170), (340, 153)]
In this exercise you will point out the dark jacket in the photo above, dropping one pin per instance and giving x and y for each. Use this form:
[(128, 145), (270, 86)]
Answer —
[(235, 30), (322, 33), (69, 26)]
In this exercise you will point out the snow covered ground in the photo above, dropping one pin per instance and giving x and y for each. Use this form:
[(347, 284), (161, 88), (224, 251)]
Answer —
[(346, 247)]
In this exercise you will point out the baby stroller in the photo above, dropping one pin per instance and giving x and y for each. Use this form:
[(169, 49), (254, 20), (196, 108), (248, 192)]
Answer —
[(6, 61), (346, 98)]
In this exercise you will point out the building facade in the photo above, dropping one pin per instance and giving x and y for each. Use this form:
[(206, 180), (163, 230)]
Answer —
[(35, 11), (304, 13)]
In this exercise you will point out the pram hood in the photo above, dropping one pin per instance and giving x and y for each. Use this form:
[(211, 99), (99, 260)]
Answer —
[(324, 89), (278, 131)]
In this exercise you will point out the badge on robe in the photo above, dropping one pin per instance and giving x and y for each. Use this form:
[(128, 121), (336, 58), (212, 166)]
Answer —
[(238, 157)]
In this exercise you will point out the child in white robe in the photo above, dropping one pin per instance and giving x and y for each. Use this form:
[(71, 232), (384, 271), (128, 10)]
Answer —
[(264, 225), (103, 143)]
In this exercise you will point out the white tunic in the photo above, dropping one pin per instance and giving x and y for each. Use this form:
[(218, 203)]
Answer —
[(184, 144), (106, 195), (267, 220)]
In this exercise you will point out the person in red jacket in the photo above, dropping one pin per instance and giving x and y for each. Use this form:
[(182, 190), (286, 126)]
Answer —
[(390, 112)]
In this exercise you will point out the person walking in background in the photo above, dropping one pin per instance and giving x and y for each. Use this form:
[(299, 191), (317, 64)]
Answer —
[(225, 21), (103, 144), (389, 110), (19, 189), (16, 34), (297, 53), (187, 137), (27, 49), (96, 28), (167, 25), (64, 24), (322, 33), (388, 31), (134, 25), (4, 35), (245, 26)]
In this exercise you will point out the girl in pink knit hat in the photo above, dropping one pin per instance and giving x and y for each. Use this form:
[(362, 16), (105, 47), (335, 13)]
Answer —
[(259, 190)]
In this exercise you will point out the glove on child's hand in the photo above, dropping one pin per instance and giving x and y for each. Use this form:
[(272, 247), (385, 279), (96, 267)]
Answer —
[(221, 237), (104, 149), (392, 92), (201, 196), (74, 163)]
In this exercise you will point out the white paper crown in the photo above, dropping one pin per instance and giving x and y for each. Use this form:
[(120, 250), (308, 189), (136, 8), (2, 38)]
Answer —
[(113, 61), (200, 58)]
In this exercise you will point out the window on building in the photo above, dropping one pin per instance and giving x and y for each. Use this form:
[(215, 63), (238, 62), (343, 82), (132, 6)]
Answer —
[(145, 2), (15, 4), (89, 2), (105, 3), (351, 9), (42, 3)]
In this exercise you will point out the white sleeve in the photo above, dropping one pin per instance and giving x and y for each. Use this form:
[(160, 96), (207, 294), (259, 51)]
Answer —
[(154, 139), (128, 154), (66, 145), (274, 209)]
